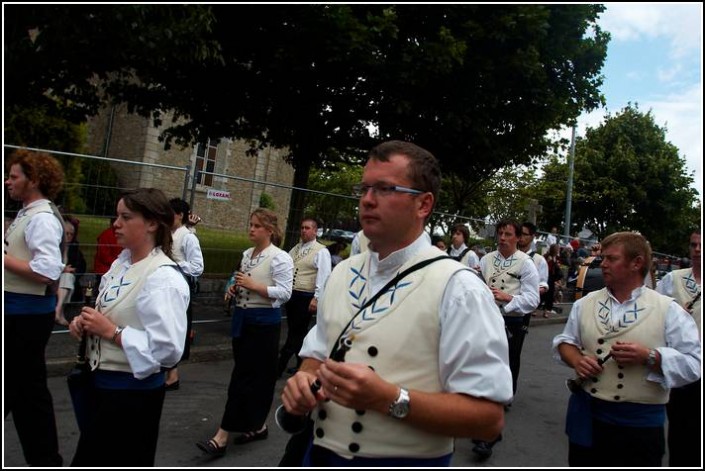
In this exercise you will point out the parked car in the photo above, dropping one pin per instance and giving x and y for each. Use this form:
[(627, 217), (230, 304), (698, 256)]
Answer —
[(339, 234)]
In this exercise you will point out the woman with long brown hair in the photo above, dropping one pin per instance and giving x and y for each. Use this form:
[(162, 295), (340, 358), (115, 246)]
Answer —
[(136, 329)]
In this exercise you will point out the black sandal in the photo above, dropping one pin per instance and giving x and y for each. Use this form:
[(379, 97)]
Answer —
[(251, 436), (211, 447)]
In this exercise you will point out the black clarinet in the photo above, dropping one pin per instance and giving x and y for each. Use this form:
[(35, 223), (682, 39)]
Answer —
[(89, 301), (295, 424), (576, 384), (689, 306)]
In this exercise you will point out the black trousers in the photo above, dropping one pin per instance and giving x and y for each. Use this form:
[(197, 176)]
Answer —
[(618, 446), (123, 428), (684, 432), (298, 318), (516, 328), (27, 395), (252, 382)]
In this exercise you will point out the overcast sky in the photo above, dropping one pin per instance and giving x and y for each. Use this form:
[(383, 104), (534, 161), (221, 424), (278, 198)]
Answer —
[(654, 59)]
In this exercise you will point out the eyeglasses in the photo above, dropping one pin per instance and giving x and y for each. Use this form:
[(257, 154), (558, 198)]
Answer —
[(361, 190)]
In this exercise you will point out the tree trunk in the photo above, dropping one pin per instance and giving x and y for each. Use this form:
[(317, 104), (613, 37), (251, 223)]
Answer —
[(297, 204)]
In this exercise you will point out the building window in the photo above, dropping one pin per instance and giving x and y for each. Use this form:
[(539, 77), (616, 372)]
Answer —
[(205, 161)]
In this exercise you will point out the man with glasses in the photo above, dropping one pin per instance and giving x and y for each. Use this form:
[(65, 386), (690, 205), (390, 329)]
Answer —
[(427, 361), (684, 405)]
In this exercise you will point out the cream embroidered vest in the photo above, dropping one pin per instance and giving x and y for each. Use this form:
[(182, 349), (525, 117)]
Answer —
[(643, 323), (16, 246), (398, 336), (304, 270), (505, 273), (177, 247), (685, 289), (118, 302), (260, 269)]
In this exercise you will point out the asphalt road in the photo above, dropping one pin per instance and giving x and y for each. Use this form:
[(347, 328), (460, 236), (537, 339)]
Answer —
[(533, 436)]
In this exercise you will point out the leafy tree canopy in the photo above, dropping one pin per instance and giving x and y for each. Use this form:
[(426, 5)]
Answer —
[(477, 85), (626, 177)]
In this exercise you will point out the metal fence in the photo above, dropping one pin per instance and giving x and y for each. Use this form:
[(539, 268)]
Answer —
[(93, 185)]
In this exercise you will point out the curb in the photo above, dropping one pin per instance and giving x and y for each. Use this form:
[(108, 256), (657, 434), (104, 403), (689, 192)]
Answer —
[(223, 351)]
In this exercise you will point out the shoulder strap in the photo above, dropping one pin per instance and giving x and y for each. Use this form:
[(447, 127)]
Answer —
[(394, 281)]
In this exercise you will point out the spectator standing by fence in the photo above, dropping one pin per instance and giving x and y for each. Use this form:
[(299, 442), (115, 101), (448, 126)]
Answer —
[(70, 280), (106, 251)]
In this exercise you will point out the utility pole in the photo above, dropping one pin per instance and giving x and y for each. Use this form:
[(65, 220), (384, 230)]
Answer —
[(569, 191)]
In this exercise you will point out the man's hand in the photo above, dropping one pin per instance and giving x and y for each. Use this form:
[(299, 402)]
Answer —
[(194, 219), (297, 396), (356, 386)]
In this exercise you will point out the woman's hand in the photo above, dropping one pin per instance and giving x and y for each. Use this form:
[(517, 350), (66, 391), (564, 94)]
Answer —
[(95, 323)]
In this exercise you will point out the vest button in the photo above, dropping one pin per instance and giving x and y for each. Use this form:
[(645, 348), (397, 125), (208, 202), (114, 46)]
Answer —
[(599, 351), (319, 432), (354, 447), (593, 390), (372, 351), (322, 414), (594, 380), (617, 398), (600, 341), (360, 412), (620, 386), (620, 375), (356, 427)]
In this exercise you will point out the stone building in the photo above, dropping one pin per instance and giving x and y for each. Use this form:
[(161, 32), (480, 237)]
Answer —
[(117, 134)]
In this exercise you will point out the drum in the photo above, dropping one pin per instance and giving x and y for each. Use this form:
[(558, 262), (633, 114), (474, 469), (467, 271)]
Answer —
[(589, 277)]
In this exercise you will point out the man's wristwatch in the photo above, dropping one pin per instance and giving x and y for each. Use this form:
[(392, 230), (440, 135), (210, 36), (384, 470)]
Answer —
[(400, 408), (651, 360)]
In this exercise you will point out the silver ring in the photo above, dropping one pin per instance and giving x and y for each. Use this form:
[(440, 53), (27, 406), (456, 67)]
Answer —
[(335, 389)]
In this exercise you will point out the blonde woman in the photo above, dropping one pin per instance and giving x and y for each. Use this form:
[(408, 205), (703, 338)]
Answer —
[(262, 284)]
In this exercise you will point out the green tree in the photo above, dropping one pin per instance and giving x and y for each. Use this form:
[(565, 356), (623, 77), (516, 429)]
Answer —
[(477, 85), (334, 179), (627, 177)]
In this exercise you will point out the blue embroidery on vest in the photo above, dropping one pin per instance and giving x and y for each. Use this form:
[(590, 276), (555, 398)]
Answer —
[(690, 283), (116, 289), (603, 313), (357, 289), (630, 316), (358, 278)]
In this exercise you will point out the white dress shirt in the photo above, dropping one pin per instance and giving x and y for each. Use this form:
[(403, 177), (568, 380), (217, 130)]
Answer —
[(680, 358), (473, 355)]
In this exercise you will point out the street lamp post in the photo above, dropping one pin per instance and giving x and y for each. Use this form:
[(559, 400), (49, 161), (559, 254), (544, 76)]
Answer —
[(569, 191)]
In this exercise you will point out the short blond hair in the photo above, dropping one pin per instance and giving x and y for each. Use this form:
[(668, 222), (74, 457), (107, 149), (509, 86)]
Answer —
[(634, 244)]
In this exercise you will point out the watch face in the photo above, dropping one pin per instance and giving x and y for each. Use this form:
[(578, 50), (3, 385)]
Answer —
[(400, 409)]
